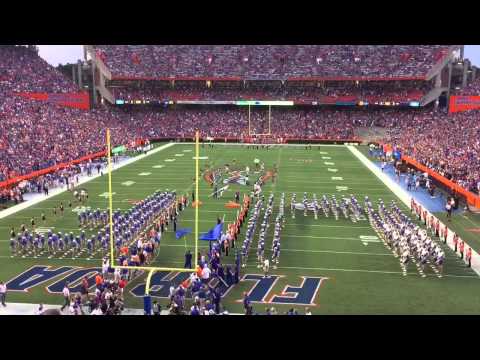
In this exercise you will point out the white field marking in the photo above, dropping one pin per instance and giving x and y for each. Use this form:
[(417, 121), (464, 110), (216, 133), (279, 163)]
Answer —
[(328, 181), (145, 174), (323, 152), (105, 194), (44, 230), (179, 155), (200, 158), (78, 209), (329, 163), (308, 170), (158, 166), (342, 188), (337, 178), (187, 150), (368, 238), (301, 225), (366, 271), (326, 237), (332, 170), (128, 183), (330, 226), (170, 160), (404, 196), (326, 158), (371, 238), (54, 192), (339, 252)]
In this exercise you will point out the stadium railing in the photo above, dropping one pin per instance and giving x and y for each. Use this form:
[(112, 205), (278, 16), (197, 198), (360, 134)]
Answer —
[(471, 198), (50, 169)]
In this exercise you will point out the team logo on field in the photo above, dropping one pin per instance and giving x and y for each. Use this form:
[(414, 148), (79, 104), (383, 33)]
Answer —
[(40, 274), (261, 290)]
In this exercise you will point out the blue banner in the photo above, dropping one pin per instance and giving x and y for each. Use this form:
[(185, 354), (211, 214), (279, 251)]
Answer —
[(213, 234), (182, 232)]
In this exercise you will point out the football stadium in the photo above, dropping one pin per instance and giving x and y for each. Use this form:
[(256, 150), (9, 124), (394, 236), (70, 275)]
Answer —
[(240, 179)]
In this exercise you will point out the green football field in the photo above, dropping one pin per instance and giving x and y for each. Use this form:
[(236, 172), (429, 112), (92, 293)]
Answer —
[(359, 273)]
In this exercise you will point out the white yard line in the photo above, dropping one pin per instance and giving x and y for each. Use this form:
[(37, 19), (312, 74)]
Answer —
[(331, 238), (367, 271), (338, 252), (14, 209), (405, 197)]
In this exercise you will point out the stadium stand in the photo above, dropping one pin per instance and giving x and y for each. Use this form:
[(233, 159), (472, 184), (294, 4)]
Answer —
[(400, 91), (21, 69), (36, 135), (471, 89), (52, 134), (268, 62), (448, 144)]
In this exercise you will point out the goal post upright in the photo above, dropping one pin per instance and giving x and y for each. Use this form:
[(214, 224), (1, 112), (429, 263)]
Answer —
[(150, 269), (269, 118), (197, 159), (249, 126), (110, 205)]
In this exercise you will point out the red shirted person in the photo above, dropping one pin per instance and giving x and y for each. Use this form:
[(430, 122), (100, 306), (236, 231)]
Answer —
[(469, 257), (462, 247)]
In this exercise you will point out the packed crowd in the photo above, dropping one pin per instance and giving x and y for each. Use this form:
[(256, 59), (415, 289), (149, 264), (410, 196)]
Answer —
[(22, 70), (471, 89), (448, 144), (262, 62), (36, 135), (399, 91)]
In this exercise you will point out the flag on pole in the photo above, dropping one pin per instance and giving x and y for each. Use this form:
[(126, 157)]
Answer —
[(182, 232), (213, 234)]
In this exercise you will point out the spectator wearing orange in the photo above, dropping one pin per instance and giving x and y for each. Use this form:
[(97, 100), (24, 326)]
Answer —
[(98, 280), (462, 247)]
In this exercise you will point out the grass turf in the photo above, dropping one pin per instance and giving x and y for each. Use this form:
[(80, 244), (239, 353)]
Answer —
[(362, 278)]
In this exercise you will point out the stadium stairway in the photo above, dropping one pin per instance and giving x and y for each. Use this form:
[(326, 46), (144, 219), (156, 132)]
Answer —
[(370, 134)]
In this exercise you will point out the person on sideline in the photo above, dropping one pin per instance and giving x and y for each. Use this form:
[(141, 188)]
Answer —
[(3, 293), (66, 296)]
